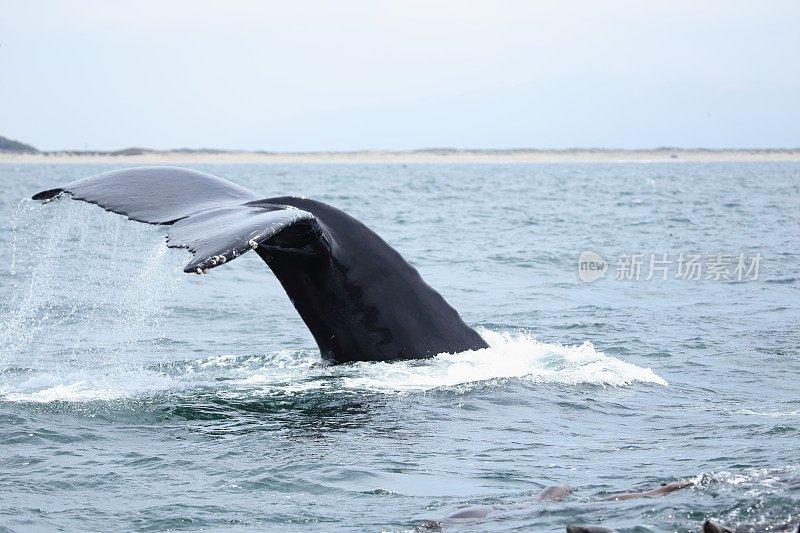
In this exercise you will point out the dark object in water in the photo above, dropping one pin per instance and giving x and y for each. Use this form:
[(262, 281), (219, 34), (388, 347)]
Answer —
[(475, 511), (361, 300), (555, 493), (589, 529), (713, 527), (666, 488)]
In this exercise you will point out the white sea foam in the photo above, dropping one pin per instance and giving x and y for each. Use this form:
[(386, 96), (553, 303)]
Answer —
[(510, 356), (770, 414), (86, 386), (755, 480), (517, 355)]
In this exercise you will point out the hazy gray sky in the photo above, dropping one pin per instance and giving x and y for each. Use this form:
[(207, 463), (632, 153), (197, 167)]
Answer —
[(309, 75)]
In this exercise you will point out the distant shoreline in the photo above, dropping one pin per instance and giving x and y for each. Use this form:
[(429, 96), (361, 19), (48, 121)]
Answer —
[(170, 157)]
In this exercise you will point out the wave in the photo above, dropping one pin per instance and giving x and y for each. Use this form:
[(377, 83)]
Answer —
[(86, 386), (770, 414), (510, 356)]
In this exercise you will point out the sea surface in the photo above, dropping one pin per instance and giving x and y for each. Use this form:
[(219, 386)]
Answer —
[(136, 397)]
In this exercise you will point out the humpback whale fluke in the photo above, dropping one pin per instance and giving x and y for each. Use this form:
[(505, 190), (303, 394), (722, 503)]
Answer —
[(359, 298)]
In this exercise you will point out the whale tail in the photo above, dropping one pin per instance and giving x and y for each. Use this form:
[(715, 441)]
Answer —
[(359, 298), (213, 218)]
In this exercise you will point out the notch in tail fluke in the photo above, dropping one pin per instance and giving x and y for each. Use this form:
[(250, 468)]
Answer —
[(47, 196)]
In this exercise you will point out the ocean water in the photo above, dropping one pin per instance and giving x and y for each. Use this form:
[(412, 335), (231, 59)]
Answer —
[(135, 397)]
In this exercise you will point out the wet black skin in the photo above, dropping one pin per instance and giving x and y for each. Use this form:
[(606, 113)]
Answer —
[(359, 298), (589, 529)]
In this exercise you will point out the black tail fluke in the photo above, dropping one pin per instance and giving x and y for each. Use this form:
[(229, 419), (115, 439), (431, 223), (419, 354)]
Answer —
[(213, 218)]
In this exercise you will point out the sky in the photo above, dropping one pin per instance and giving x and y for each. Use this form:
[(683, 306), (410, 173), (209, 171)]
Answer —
[(371, 74)]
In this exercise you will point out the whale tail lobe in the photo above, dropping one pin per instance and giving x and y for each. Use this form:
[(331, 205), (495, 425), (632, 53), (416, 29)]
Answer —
[(213, 218)]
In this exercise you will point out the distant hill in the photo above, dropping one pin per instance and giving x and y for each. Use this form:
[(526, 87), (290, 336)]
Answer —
[(10, 145), (11, 150)]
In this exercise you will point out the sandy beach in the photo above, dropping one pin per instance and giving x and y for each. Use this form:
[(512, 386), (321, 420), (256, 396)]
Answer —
[(405, 157)]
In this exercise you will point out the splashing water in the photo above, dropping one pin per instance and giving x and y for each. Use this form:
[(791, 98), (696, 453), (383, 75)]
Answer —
[(510, 356), (126, 284), (83, 287)]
